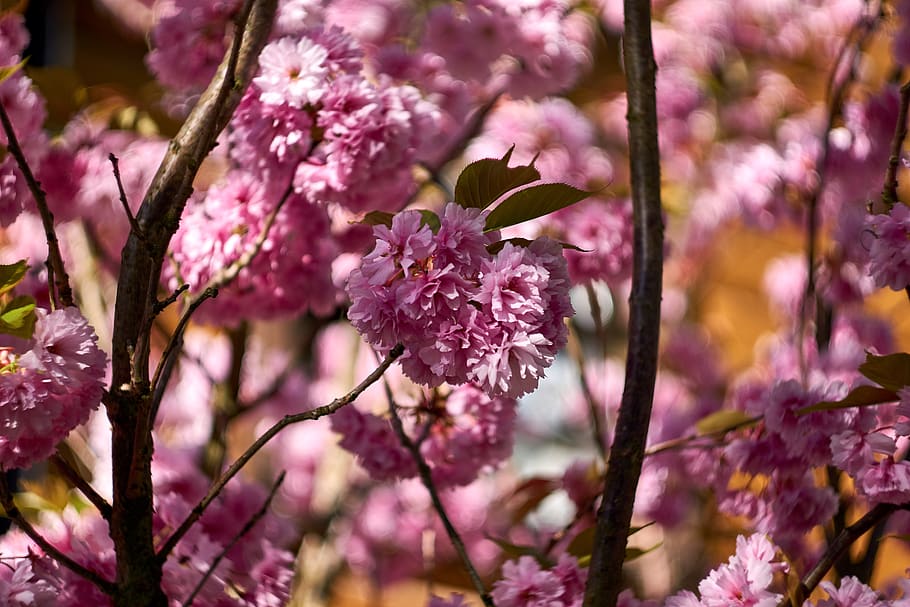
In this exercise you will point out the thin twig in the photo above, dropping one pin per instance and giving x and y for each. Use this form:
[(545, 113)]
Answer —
[(426, 477), (246, 529), (595, 409), (221, 279), (134, 225), (836, 92), (597, 315), (12, 512), (889, 189), (73, 476), (161, 305), (55, 268), (627, 453), (260, 442), (837, 549), (171, 350)]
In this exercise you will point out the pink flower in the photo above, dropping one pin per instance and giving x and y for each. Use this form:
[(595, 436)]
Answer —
[(291, 272), (50, 388), (525, 584), (744, 579), (292, 72), (889, 254), (493, 320), (189, 41), (852, 593)]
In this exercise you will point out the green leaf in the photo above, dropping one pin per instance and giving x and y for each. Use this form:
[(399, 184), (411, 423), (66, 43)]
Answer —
[(583, 543), (891, 371), (377, 218), (861, 396), (482, 182), (723, 421), (11, 275), (497, 246), (430, 219), (18, 317), (533, 202), (8, 71), (634, 553)]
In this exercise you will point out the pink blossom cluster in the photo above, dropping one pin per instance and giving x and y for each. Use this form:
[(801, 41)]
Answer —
[(78, 177), (189, 40), (311, 114), (459, 435), (889, 254), (462, 313), (255, 571), (532, 48), (744, 581), (525, 583), (291, 272), (48, 386), (26, 110)]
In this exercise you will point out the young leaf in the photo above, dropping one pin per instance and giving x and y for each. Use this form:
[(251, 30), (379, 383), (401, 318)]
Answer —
[(18, 317), (482, 182), (430, 219), (891, 371), (634, 553), (533, 202), (861, 396), (497, 246), (724, 420), (6, 72), (11, 275), (376, 218)]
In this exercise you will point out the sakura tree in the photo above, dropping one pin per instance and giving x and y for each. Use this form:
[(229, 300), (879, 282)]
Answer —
[(397, 294)]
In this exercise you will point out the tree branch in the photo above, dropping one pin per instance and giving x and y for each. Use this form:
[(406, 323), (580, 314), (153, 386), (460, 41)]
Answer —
[(426, 477), (63, 294), (836, 550), (246, 529), (130, 403), (73, 476), (260, 442), (627, 452), (12, 511)]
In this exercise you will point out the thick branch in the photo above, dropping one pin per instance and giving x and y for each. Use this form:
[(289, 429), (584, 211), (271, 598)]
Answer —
[(627, 452), (129, 404)]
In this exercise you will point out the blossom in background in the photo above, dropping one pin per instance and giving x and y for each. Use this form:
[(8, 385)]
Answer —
[(889, 254)]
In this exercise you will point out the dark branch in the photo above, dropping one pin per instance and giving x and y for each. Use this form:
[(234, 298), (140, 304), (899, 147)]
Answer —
[(246, 529), (627, 452), (73, 476), (836, 550), (426, 477), (55, 268), (12, 512)]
